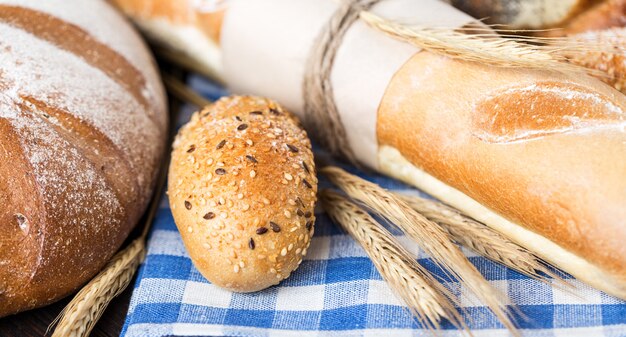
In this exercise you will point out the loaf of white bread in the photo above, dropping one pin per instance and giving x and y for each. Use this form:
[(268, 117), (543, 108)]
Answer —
[(82, 130), (537, 155)]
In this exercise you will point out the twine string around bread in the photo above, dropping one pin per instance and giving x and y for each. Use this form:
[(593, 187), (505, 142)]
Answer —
[(320, 108), (475, 42)]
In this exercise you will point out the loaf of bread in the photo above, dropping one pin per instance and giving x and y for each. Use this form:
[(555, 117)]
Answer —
[(592, 22), (242, 189), (523, 13), (182, 25), (82, 130), (537, 155), (604, 15), (610, 61)]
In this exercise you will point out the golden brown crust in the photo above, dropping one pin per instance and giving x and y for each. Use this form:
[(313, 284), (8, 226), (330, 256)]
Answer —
[(524, 13), (177, 12), (211, 23), (21, 216), (242, 189), (611, 64), (608, 14), (544, 150), (82, 125)]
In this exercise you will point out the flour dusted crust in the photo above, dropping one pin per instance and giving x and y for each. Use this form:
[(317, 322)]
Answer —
[(242, 189), (544, 150), (82, 126)]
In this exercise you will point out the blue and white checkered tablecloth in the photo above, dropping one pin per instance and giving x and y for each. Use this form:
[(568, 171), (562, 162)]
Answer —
[(338, 292)]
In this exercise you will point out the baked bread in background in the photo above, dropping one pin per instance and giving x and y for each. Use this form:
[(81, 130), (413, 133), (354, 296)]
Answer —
[(610, 62), (537, 155), (595, 22), (82, 129), (526, 14), (242, 189), (603, 15), (191, 27)]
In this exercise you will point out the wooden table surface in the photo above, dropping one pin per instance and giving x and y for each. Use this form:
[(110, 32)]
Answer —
[(35, 322)]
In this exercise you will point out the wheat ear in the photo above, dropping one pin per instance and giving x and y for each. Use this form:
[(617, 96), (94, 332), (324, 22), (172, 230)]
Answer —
[(426, 298), (180, 90), (490, 50), (480, 238), (80, 316), (183, 61), (429, 236), (610, 59)]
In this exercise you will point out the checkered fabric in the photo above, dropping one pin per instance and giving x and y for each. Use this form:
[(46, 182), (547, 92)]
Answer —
[(337, 292)]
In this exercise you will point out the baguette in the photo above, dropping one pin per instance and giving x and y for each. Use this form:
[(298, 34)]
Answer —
[(242, 187), (82, 130), (539, 156)]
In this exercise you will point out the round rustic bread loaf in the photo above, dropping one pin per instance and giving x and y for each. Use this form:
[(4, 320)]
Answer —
[(242, 189), (82, 130)]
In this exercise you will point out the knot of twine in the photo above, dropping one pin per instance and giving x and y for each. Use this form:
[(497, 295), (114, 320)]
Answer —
[(321, 113)]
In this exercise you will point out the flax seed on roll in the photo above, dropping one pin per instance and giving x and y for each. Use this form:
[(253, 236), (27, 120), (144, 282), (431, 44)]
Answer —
[(242, 190)]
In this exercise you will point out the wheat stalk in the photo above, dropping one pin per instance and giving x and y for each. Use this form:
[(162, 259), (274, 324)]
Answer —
[(488, 49), (80, 316), (426, 298), (610, 59), (181, 91), (429, 236), (480, 238), (181, 60)]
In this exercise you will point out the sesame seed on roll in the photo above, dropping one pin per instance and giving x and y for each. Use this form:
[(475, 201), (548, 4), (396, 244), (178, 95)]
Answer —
[(242, 189)]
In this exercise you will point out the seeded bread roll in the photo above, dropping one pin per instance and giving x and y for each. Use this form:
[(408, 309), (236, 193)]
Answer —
[(242, 189)]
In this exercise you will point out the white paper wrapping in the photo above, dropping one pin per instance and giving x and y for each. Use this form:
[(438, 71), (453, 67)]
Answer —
[(266, 43)]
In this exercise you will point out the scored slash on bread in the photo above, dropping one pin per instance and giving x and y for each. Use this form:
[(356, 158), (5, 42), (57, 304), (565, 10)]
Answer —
[(82, 130), (242, 190)]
